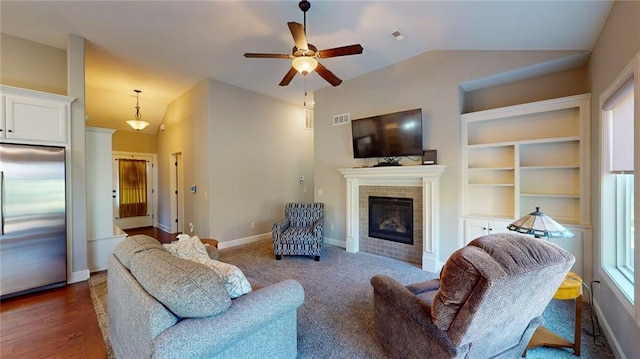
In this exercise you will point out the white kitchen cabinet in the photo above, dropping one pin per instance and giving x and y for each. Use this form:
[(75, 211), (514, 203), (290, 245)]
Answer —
[(34, 117)]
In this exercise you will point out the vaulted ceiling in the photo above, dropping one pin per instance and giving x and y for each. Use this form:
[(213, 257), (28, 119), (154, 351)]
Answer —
[(165, 47)]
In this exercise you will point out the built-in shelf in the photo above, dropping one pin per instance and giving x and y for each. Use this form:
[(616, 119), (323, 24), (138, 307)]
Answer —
[(557, 195), (518, 157)]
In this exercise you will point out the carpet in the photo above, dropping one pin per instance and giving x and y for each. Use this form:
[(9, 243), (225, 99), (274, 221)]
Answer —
[(98, 291), (335, 320)]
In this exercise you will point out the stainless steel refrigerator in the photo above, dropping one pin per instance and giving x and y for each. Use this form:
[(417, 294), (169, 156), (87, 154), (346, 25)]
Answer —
[(33, 234)]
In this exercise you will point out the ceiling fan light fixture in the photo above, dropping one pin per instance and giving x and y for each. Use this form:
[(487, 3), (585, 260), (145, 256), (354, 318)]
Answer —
[(304, 64), (138, 124)]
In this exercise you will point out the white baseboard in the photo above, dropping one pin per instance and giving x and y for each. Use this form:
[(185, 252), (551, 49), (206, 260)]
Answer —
[(259, 237), (613, 343), (164, 228), (79, 276), (335, 242), (245, 240)]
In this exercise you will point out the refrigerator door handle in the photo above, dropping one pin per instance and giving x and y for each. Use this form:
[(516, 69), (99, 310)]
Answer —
[(1, 203)]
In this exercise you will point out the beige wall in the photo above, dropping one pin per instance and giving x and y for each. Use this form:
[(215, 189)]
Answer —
[(31, 65), (430, 81), (619, 41), (258, 151), (186, 123), (555, 85), (244, 152), (128, 141)]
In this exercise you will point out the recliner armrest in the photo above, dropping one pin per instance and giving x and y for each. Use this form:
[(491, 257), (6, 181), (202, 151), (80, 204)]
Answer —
[(427, 286), (401, 298)]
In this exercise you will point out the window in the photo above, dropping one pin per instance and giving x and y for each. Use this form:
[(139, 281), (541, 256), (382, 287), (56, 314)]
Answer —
[(618, 180), (624, 225)]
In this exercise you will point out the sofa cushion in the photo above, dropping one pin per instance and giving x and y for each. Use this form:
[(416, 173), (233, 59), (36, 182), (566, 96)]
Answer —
[(128, 247), (193, 249), (186, 288)]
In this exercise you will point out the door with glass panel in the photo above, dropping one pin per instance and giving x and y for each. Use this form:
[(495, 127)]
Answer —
[(133, 191)]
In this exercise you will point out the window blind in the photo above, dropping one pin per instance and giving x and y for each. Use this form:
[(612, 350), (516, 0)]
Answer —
[(621, 112)]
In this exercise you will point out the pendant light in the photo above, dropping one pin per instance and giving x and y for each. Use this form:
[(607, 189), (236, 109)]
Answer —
[(137, 123)]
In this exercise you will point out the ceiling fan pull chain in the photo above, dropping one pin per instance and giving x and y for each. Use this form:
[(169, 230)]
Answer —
[(305, 91)]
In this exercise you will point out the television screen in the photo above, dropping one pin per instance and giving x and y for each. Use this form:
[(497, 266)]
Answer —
[(390, 135)]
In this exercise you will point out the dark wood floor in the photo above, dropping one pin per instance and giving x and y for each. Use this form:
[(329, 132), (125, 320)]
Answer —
[(154, 232), (56, 323)]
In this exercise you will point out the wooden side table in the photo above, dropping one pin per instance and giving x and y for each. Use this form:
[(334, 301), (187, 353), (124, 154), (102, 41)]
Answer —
[(571, 288), (209, 241)]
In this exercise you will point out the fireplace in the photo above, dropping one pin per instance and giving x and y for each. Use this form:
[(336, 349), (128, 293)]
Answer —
[(391, 218), (421, 183)]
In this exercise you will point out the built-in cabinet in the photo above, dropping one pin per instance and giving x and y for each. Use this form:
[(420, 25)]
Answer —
[(517, 158), (34, 117), (474, 228)]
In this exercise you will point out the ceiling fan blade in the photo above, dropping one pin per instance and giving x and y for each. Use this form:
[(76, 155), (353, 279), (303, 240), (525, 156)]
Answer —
[(328, 75), (340, 51), (297, 31), (266, 56), (288, 77)]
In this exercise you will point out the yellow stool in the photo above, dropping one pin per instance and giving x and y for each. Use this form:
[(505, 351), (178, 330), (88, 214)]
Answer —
[(571, 288)]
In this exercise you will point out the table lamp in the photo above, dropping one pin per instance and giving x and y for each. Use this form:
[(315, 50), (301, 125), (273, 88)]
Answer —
[(540, 225)]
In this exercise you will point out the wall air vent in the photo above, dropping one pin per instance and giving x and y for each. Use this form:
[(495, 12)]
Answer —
[(308, 120), (341, 119)]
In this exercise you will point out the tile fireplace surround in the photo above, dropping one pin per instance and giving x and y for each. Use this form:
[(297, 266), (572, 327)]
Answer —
[(426, 177)]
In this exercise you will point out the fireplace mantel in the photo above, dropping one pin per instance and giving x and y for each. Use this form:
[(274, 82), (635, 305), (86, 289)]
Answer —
[(427, 177)]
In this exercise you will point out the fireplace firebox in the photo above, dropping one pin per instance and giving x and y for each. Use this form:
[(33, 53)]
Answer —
[(391, 218)]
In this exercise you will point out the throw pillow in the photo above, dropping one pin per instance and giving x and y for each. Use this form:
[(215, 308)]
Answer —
[(233, 278), (187, 288), (190, 248), (193, 249)]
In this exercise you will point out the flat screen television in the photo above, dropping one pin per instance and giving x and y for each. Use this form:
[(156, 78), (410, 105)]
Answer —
[(390, 135)]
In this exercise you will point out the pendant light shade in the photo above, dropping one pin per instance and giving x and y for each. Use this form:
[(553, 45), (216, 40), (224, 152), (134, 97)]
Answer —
[(138, 124)]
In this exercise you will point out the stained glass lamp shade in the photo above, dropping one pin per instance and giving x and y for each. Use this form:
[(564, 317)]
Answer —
[(540, 225)]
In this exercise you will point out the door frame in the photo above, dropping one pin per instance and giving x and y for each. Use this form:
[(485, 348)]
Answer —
[(176, 191), (153, 208)]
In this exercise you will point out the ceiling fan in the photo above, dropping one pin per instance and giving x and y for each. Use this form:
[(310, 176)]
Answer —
[(304, 55)]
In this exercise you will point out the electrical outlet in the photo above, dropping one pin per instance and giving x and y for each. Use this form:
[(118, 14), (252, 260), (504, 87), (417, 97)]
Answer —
[(190, 227), (253, 225), (332, 227)]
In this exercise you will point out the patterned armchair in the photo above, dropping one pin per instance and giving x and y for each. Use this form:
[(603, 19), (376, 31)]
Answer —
[(300, 232), (487, 303)]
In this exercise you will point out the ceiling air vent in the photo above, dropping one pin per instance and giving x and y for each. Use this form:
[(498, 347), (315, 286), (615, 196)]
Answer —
[(341, 119)]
